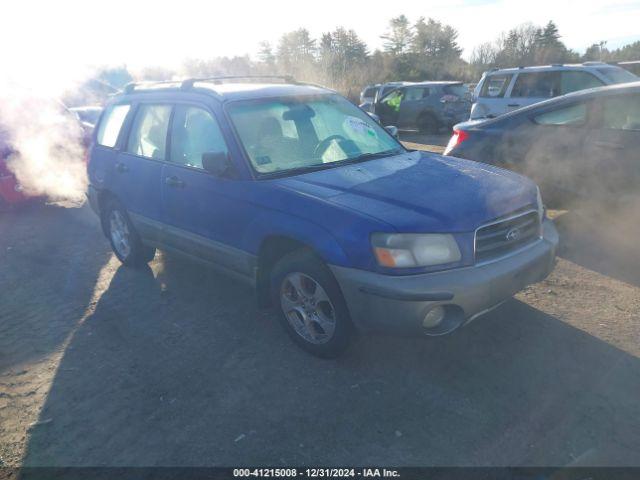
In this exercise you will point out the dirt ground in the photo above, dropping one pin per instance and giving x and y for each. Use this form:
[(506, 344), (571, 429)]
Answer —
[(175, 365)]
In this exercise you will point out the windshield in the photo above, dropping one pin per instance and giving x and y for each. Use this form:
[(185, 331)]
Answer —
[(618, 75), (287, 134)]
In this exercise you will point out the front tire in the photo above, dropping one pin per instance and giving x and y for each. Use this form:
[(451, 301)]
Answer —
[(310, 304), (124, 239)]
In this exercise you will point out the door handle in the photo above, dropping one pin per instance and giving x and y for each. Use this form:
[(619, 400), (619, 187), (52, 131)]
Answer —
[(121, 167), (174, 181), (513, 105)]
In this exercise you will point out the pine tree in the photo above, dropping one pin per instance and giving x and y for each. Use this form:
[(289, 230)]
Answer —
[(399, 36)]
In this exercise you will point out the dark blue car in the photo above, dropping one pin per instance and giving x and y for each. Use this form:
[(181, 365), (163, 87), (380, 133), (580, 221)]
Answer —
[(580, 145), (300, 193)]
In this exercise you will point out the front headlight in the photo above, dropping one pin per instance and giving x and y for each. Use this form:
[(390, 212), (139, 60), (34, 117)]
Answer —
[(404, 250)]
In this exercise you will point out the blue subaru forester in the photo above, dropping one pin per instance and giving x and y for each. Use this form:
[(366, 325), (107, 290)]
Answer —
[(300, 193)]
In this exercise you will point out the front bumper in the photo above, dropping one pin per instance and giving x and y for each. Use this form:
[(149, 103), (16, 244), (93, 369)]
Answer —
[(399, 303)]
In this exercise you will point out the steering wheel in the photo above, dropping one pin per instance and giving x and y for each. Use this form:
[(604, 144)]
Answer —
[(324, 144)]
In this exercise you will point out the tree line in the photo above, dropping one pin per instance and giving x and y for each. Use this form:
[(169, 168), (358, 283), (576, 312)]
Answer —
[(425, 49)]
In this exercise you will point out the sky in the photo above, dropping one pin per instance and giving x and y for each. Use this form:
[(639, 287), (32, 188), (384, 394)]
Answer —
[(59, 35)]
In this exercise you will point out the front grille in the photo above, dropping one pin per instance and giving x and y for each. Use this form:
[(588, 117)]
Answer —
[(504, 236)]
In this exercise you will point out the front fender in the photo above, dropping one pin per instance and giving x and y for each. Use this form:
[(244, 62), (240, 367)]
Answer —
[(274, 223)]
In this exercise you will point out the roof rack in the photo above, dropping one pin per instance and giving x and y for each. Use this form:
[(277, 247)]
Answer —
[(130, 87), (188, 83)]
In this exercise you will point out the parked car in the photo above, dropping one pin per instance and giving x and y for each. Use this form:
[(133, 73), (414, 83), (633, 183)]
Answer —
[(425, 106), (87, 115), (371, 92), (504, 90), (298, 192), (581, 144)]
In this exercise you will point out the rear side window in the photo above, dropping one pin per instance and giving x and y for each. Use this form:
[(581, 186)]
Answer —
[(573, 80), (194, 131), (111, 124), (148, 137), (621, 113), (416, 93), (537, 85), (495, 86), (573, 115), (459, 91)]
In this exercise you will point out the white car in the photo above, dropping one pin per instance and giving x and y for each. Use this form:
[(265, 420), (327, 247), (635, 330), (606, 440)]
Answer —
[(503, 90)]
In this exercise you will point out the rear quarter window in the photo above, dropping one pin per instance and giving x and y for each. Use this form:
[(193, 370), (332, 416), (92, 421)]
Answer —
[(111, 124), (574, 80), (617, 75)]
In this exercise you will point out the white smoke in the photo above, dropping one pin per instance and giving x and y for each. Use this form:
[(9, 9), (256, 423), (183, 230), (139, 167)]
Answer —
[(45, 138)]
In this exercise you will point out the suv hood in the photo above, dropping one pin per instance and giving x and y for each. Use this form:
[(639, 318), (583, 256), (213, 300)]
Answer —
[(420, 192)]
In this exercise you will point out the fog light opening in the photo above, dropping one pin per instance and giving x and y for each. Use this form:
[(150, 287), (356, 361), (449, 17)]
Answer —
[(434, 317), (442, 319)]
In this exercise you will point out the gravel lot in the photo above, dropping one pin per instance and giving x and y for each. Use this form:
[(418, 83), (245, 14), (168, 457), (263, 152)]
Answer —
[(175, 365)]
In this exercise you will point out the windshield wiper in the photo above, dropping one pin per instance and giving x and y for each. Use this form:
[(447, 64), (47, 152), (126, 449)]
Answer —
[(298, 170), (371, 156)]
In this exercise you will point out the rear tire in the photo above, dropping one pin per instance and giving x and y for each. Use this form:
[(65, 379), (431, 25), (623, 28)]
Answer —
[(310, 304), (124, 239)]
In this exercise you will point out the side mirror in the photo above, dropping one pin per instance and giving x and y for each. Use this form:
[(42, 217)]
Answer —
[(374, 116), (216, 163), (392, 130)]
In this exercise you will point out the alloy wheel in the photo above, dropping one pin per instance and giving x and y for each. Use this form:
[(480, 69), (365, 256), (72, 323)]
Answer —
[(307, 308)]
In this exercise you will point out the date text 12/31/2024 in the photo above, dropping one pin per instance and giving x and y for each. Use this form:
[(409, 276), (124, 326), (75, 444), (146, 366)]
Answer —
[(315, 473)]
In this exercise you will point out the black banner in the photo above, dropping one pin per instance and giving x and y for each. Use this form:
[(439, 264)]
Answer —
[(404, 473)]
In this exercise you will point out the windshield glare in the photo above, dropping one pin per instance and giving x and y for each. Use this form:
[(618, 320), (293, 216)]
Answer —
[(286, 134)]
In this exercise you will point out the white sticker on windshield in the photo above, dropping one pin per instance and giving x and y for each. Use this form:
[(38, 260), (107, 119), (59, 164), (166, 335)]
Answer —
[(358, 126)]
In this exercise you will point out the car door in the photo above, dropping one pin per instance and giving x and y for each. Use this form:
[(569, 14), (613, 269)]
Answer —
[(555, 147), (614, 142), (202, 216), (138, 166), (388, 107), (414, 101)]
